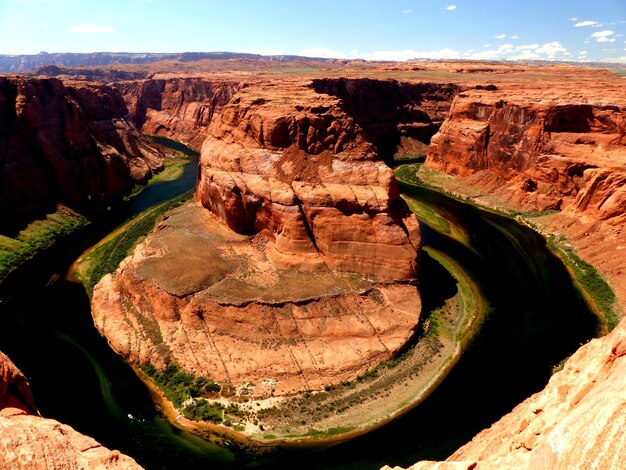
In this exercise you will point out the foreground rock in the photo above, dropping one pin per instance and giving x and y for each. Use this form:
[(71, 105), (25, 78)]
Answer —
[(313, 280), (30, 441), (66, 143), (577, 421)]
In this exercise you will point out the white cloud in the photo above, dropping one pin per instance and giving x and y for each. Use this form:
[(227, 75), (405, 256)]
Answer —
[(587, 23), (512, 37), (406, 55), (91, 28), (264, 51), (322, 52), (526, 47), (551, 49), (526, 55), (500, 36), (573, 18), (451, 7), (601, 34), (406, 11), (604, 36), (618, 60), (582, 53), (486, 45), (547, 51)]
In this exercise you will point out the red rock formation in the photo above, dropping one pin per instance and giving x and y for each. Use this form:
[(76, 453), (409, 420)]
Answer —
[(66, 143), (554, 147), (301, 171), (577, 421), (538, 152), (318, 285), (179, 108), (30, 442)]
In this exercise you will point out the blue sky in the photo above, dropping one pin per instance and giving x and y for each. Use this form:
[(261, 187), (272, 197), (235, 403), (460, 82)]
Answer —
[(370, 29)]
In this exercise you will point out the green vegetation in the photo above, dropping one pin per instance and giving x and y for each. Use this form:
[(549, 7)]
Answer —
[(107, 257), (179, 386), (37, 236), (328, 432), (187, 391), (590, 280)]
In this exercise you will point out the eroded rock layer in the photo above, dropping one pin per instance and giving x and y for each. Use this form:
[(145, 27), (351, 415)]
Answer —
[(68, 143), (29, 441), (539, 151), (577, 421), (179, 108), (300, 274)]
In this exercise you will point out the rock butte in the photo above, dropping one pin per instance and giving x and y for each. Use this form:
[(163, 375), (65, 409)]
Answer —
[(534, 138), (29, 441), (321, 285)]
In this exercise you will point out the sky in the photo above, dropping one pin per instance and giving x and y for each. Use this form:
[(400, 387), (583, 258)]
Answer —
[(576, 30)]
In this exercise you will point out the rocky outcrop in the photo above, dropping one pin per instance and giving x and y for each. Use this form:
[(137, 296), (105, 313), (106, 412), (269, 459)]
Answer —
[(539, 152), (30, 442), (66, 143), (300, 274), (179, 108), (577, 421), (303, 173), (562, 149)]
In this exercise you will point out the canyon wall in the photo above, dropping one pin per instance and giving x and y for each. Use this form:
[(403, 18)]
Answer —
[(537, 151), (179, 108), (66, 143), (29, 441), (310, 279), (560, 149), (577, 421)]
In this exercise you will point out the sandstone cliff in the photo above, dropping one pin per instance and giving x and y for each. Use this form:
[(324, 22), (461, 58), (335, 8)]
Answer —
[(31, 442), (179, 108), (562, 149), (539, 151), (577, 421), (314, 283), (67, 143)]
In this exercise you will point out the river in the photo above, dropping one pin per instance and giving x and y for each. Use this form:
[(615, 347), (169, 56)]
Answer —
[(537, 318)]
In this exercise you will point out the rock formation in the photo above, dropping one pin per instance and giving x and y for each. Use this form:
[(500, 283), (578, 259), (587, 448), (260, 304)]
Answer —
[(67, 143), (30, 441), (179, 108), (314, 283), (539, 151), (577, 421), (559, 149)]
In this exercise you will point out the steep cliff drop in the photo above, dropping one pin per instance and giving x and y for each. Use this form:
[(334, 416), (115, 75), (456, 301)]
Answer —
[(314, 281), (563, 152), (29, 441), (550, 150), (69, 143)]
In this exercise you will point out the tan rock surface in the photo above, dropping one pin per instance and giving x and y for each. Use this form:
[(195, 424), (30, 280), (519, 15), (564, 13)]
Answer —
[(231, 314), (28, 441), (576, 422), (318, 285)]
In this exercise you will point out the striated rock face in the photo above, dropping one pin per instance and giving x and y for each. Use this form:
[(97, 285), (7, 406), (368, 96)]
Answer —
[(577, 421), (68, 143), (179, 108), (300, 274), (302, 172), (29, 441), (232, 315), (539, 152)]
